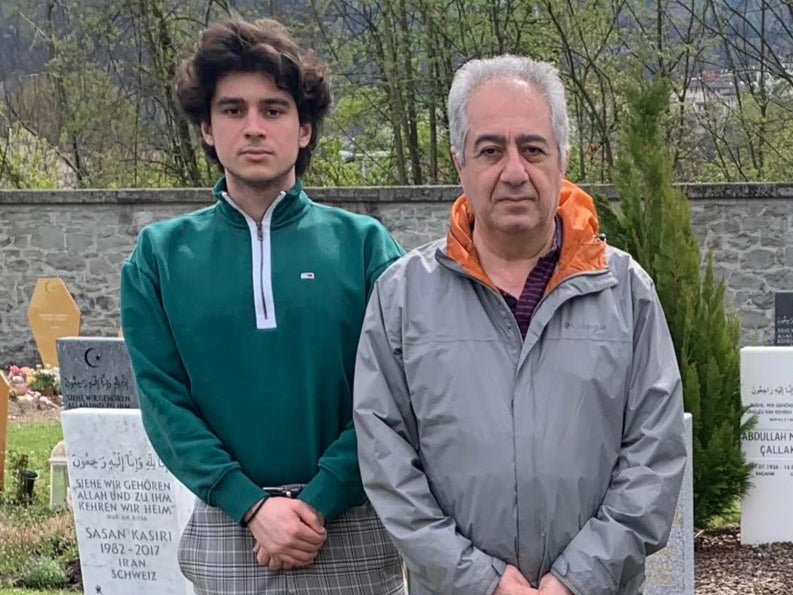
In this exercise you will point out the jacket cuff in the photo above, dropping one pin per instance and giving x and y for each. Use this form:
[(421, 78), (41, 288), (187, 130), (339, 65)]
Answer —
[(234, 494), (591, 582), (499, 566), (330, 497)]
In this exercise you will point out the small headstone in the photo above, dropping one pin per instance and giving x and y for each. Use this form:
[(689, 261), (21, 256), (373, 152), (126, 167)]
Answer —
[(53, 313), (96, 372), (59, 477), (783, 318), (5, 395), (670, 571), (767, 390), (129, 510)]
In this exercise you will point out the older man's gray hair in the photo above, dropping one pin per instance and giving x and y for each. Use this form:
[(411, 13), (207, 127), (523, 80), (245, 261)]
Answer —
[(542, 76)]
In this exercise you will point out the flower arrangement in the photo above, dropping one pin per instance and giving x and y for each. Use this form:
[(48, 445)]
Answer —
[(44, 380)]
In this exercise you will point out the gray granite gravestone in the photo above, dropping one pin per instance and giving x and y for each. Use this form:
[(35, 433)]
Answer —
[(129, 510), (783, 318), (96, 372), (670, 571)]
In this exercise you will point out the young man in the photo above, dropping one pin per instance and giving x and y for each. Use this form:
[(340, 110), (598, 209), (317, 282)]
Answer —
[(242, 321), (517, 399)]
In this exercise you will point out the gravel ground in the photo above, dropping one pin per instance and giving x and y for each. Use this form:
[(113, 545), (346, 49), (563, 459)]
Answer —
[(723, 566)]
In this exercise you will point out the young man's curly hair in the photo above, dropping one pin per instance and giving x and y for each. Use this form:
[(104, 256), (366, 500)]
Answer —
[(262, 46)]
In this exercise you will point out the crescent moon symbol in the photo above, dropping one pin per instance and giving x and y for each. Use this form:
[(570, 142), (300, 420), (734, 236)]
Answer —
[(87, 358), (48, 286)]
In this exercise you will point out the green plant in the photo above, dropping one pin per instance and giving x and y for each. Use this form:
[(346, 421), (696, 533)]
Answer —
[(34, 533), (18, 463), (654, 224), (43, 379), (43, 573), (46, 380), (36, 440)]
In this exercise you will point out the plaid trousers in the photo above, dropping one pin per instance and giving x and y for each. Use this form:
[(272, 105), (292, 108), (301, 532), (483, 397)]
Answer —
[(358, 558)]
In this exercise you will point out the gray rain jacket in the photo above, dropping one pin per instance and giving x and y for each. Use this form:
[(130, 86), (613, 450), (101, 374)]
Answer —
[(559, 453)]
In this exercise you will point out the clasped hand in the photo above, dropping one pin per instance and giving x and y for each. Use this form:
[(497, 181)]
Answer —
[(289, 533), (514, 583)]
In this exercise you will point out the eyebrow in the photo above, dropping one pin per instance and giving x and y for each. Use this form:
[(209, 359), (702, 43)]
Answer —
[(500, 139), (270, 101)]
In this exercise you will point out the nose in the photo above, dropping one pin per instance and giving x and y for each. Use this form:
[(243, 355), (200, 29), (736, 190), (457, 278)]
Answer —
[(254, 125), (514, 172)]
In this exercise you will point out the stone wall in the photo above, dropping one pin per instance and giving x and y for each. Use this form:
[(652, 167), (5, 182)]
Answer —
[(84, 236)]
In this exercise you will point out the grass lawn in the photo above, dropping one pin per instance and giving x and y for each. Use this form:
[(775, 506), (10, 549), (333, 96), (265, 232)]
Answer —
[(37, 545), (730, 518), (36, 440)]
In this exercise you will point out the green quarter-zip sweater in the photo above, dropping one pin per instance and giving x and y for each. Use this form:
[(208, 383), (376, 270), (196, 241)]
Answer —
[(243, 335)]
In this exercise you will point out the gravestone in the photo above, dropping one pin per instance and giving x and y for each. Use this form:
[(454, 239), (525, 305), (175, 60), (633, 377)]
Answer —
[(129, 510), (670, 571), (59, 476), (96, 372), (52, 314), (783, 318), (5, 395), (767, 389)]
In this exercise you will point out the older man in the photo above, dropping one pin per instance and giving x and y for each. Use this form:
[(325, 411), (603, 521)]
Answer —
[(517, 398)]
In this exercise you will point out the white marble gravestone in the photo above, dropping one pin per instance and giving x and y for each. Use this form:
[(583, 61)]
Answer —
[(96, 372), (129, 510), (767, 389), (670, 571)]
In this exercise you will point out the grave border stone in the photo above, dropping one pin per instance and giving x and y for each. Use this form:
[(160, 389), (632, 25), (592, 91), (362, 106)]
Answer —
[(680, 547)]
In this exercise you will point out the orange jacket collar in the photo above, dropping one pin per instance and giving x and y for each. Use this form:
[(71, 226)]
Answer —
[(582, 251)]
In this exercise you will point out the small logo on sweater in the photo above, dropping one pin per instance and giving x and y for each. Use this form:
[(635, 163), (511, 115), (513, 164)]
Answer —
[(307, 276)]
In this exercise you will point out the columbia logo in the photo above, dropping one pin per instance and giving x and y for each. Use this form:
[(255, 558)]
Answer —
[(585, 326), (309, 276)]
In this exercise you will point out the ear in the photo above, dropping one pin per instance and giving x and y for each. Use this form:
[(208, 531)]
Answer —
[(206, 133), (305, 135), (457, 165), (565, 163)]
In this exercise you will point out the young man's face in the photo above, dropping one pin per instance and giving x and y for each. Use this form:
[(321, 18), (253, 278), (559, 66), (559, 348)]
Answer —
[(512, 173), (255, 130)]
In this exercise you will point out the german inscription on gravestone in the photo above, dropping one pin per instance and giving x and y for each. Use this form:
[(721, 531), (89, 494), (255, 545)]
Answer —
[(129, 510), (783, 318), (96, 372), (767, 391)]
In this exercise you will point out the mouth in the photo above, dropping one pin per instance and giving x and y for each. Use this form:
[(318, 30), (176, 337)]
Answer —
[(255, 153), (515, 199)]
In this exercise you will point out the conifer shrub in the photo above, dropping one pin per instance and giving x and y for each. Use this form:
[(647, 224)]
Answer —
[(653, 223)]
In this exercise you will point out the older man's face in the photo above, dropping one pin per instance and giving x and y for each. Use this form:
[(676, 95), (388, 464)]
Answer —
[(512, 174)]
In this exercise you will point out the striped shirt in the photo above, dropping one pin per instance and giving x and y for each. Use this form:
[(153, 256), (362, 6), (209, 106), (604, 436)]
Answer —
[(523, 307)]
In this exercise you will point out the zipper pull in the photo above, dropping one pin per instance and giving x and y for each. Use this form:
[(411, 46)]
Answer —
[(260, 231)]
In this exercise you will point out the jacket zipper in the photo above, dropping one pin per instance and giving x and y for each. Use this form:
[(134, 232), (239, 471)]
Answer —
[(261, 260), (537, 518), (260, 235)]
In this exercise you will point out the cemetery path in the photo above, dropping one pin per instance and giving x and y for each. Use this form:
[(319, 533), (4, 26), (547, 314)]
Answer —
[(722, 566), (18, 412)]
